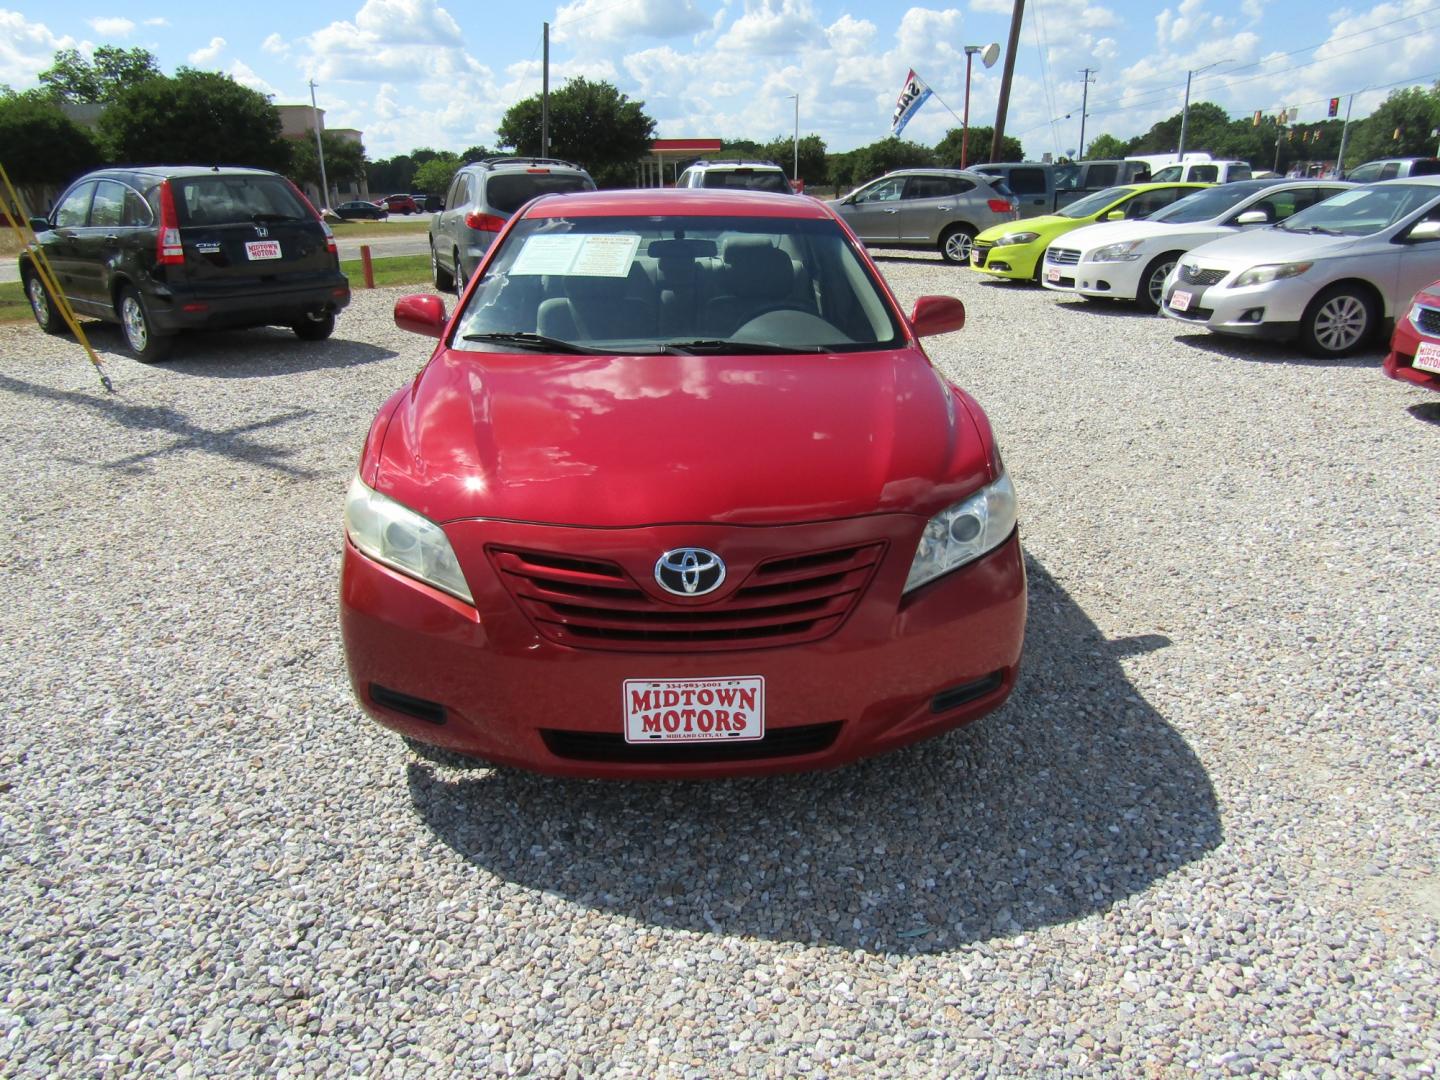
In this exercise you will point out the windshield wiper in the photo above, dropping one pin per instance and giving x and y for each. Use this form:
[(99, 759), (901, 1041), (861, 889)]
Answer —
[(535, 342), (1312, 229), (739, 348)]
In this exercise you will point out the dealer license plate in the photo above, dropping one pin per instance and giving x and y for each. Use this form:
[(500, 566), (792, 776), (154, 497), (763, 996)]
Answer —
[(1180, 301), (1427, 358), (1052, 273), (730, 709), (977, 257), (262, 249)]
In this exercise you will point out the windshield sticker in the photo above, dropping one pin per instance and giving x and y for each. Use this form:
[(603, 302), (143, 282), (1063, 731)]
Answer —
[(574, 255)]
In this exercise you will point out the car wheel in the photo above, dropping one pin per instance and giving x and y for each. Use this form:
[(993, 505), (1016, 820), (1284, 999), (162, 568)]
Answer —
[(956, 242), (314, 326), (443, 279), (144, 342), (1152, 281), (460, 277), (1337, 322), (46, 314)]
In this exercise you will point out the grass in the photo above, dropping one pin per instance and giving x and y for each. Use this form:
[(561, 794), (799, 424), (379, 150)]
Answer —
[(396, 226), (13, 305)]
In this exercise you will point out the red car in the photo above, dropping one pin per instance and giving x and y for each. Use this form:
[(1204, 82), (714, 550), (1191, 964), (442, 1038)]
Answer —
[(400, 204), (679, 494), (1415, 345)]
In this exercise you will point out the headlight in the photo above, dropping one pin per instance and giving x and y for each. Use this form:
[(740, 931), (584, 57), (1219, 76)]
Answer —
[(1116, 252), (1016, 238), (1259, 275), (962, 533), (400, 538)]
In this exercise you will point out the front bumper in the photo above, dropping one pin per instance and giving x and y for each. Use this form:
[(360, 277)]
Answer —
[(1105, 280), (1271, 310), (1014, 261), (185, 307), (489, 681), (1400, 361)]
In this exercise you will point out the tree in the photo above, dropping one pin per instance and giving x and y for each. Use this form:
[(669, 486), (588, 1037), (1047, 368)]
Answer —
[(41, 147), (1400, 127), (813, 167), (947, 150), (868, 162), (344, 159), (1106, 147), (477, 152), (391, 174), (433, 178), (592, 123), (195, 117), (73, 79)]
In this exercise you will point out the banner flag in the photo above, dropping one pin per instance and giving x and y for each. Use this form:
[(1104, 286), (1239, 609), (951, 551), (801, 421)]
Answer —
[(912, 95)]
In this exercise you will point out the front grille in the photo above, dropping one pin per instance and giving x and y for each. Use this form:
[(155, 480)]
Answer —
[(594, 604), (1428, 319), (1197, 276), (606, 746), (1062, 256)]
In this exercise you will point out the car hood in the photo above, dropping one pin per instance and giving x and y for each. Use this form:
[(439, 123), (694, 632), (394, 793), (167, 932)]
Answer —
[(1044, 224), (615, 441), (1255, 247), (1121, 232)]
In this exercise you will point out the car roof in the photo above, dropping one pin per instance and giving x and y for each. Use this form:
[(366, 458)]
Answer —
[(1430, 180), (935, 171), (734, 163), (521, 162), (170, 172), (677, 202)]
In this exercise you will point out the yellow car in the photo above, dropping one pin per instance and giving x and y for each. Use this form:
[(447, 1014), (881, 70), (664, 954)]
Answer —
[(1017, 248)]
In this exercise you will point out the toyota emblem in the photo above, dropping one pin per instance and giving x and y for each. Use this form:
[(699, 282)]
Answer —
[(689, 571)]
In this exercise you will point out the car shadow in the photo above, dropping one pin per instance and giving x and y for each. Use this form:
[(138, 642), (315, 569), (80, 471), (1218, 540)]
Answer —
[(1073, 796), (1428, 411), (1109, 309), (1272, 352), (899, 255), (261, 352)]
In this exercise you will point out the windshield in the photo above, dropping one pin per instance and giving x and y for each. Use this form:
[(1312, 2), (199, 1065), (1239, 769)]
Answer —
[(1168, 174), (1093, 204), (1205, 204), (677, 284), (1362, 211)]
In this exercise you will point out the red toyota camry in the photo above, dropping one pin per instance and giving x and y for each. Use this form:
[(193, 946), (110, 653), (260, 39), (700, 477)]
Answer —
[(679, 494), (1414, 355)]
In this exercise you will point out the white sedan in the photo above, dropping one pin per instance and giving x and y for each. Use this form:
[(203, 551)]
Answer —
[(1330, 276), (1130, 260)]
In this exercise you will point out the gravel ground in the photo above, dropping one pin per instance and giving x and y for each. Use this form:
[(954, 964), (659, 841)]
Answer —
[(1200, 839)]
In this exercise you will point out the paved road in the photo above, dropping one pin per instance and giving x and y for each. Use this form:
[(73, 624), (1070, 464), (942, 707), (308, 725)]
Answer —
[(380, 247)]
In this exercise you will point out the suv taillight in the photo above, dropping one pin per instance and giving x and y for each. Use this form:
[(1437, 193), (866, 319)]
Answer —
[(484, 222), (169, 251), (1001, 206)]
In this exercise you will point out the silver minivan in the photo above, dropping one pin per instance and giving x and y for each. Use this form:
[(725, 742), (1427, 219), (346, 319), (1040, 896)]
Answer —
[(927, 209), (481, 198)]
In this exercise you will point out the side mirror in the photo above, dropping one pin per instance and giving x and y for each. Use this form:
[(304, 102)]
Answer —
[(421, 315), (937, 315), (1115, 215), (1426, 230), (1253, 217), (40, 224)]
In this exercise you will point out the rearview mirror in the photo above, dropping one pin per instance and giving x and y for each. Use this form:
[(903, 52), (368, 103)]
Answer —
[(421, 315), (1252, 217), (937, 315)]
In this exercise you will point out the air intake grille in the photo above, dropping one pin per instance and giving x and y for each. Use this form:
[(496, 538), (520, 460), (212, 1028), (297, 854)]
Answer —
[(602, 746), (1428, 319), (594, 604), (1197, 276)]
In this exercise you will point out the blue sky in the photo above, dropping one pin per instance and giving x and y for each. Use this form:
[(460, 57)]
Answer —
[(437, 72)]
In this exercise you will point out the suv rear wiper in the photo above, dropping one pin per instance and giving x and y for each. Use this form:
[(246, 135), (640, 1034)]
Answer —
[(739, 348), (535, 342)]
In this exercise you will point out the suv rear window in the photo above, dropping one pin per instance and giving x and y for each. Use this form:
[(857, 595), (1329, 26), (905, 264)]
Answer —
[(748, 180), (234, 200), (509, 191), (1425, 167)]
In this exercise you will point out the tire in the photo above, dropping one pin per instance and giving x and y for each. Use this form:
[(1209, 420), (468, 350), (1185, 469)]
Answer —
[(1039, 268), (1337, 322), (1152, 281), (955, 243), (42, 306), (460, 276), (314, 327), (444, 280), (141, 338)]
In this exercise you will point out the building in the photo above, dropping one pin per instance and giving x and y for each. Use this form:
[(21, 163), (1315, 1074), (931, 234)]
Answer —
[(300, 122)]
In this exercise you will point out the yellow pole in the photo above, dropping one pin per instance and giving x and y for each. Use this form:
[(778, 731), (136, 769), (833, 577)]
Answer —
[(47, 277)]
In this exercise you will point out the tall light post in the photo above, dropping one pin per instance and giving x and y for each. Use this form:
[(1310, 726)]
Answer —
[(1185, 112), (1085, 106), (988, 53), (319, 150), (795, 175)]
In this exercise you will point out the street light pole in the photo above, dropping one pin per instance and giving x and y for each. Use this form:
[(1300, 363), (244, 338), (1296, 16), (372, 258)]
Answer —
[(970, 51), (319, 150), (1084, 106), (796, 96)]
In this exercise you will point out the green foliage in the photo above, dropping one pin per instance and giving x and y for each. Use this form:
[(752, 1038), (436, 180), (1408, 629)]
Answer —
[(344, 159), (977, 150), (40, 145), (391, 175), (740, 148), (475, 153), (1400, 127), (881, 157), (433, 177), (591, 123), (197, 117), (1106, 147), (73, 79), (781, 150)]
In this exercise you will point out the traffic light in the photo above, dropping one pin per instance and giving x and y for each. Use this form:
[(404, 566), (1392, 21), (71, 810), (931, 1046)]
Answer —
[(1334, 106)]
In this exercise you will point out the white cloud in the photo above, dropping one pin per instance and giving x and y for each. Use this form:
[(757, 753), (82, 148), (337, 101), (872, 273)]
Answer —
[(275, 45), (210, 53), (408, 22), (592, 22), (850, 37), (245, 75), (157, 21), (773, 28), (992, 7), (26, 48), (112, 27)]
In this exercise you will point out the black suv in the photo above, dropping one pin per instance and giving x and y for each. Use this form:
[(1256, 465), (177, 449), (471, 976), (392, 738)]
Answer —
[(167, 248)]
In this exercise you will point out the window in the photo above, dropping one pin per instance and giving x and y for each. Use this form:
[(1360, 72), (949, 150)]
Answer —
[(1101, 176), (1146, 203), (1204, 174), (1239, 171), (935, 187), (456, 197), (1027, 181), (508, 191), (109, 205), (1167, 175), (137, 210), (1425, 167), (1390, 170), (235, 200), (72, 212), (882, 191)]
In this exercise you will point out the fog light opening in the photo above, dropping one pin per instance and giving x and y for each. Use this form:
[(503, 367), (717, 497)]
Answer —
[(431, 712), (956, 696), (1254, 315)]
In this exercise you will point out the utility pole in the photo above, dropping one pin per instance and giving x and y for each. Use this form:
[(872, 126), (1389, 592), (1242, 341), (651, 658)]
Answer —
[(796, 174), (1344, 138), (1185, 112), (319, 150), (1084, 105), (1016, 15), (545, 98)]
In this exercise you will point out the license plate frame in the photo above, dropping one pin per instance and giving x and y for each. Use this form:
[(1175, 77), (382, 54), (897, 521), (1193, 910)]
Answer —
[(1427, 357), (257, 250), (706, 710)]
